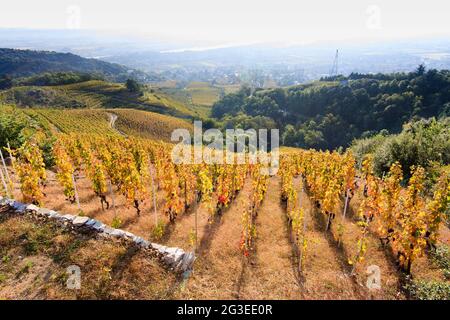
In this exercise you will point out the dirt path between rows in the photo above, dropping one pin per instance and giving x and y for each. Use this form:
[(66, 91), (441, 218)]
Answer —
[(218, 270), (326, 272), (273, 273), (112, 122), (221, 271)]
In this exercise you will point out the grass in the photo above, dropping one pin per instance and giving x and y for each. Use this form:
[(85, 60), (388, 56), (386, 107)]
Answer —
[(110, 270), (94, 95), (184, 97), (202, 93), (193, 101), (230, 88)]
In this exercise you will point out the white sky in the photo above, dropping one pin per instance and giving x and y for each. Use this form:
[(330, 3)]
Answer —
[(237, 21)]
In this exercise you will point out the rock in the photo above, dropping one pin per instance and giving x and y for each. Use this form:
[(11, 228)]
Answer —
[(54, 215), (98, 226), (162, 249), (129, 235), (32, 207), (80, 221), (178, 256), (91, 222), (174, 257), (44, 212), (178, 266), (68, 217), (172, 250), (19, 207), (108, 230), (188, 261), (145, 244), (156, 246), (117, 233), (168, 260)]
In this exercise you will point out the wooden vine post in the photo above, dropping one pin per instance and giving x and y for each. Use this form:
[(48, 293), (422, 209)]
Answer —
[(76, 192), (346, 203), (4, 183), (111, 193), (154, 195)]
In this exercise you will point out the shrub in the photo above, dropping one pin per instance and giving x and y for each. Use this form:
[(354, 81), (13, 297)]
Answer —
[(428, 290)]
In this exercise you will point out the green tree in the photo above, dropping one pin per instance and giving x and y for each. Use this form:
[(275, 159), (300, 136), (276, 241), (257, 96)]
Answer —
[(5, 82), (133, 86)]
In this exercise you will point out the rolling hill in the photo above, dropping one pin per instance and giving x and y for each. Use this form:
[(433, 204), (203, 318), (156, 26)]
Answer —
[(96, 94), (128, 122), (25, 63)]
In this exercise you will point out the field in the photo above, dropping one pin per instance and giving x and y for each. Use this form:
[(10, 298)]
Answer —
[(221, 271), (92, 121), (195, 100), (95, 95), (148, 125), (315, 230), (203, 93), (107, 122), (282, 248)]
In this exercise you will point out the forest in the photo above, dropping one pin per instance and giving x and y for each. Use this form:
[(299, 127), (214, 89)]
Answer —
[(331, 114)]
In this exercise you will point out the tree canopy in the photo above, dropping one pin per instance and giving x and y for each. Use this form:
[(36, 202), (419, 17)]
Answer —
[(330, 114)]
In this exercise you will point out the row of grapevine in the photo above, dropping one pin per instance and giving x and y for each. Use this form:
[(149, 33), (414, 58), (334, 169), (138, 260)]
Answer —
[(407, 218), (289, 169), (259, 183), (134, 168)]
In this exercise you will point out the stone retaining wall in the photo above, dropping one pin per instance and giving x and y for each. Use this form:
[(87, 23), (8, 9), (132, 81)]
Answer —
[(175, 258)]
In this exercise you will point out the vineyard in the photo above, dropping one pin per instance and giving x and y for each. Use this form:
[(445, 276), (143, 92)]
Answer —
[(97, 94), (314, 230), (203, 93), (98, 121)]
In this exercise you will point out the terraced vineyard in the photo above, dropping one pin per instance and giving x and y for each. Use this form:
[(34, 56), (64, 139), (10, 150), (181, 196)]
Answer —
[(98, 121), (148, 125), (311, 232), (96, 94), (70, 121)]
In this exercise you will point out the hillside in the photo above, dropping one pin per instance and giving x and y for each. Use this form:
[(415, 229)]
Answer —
[(113, 122), (223, 269), (330, 114), (25, 63), (203, 93), (35, 257), (95, 94)]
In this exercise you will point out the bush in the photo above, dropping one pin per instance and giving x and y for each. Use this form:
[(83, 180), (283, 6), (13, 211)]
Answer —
[(57, 78), (424, 142), (16, 127), (441, 257), (428, 290)]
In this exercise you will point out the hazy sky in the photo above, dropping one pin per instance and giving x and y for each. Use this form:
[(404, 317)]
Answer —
[(237, 21)]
